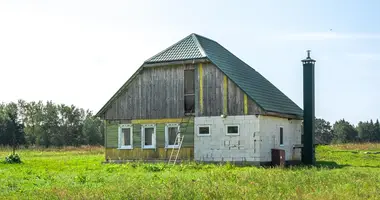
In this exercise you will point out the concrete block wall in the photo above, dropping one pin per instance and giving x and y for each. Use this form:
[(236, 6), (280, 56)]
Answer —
[(270, 130), (221, 147)]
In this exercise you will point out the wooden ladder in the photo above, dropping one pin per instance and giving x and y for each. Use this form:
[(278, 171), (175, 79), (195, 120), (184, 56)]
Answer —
[(179, 140)]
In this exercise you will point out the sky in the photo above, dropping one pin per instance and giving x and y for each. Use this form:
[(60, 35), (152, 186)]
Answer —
[(81, 52)]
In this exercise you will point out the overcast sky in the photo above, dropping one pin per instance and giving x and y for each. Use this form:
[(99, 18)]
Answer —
[(81, 52)]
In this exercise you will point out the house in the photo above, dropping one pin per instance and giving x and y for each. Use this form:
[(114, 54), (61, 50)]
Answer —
[(226, 110)]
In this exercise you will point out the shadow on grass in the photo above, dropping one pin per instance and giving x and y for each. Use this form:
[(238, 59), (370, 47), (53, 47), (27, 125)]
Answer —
[(330, 165), (334, 165)]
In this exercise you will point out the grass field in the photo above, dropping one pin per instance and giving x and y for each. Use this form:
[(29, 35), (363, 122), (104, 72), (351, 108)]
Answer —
[(343, 172)]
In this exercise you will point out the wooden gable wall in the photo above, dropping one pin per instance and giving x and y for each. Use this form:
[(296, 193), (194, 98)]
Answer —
[(216, 94), (158, 92)]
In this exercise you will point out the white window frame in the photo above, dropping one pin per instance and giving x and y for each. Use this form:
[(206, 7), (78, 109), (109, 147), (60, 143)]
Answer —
[(232, 134), (143, 146), (279, 138), (204, 135), (121, 126), (167, 126)]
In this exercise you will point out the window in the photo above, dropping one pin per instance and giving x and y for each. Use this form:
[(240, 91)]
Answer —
[(189, 91), (125, 136), (171, 131), (232, 130), (281, 136), (204, 130), (148, 136)]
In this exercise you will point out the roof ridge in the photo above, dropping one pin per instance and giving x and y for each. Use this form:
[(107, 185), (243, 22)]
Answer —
[(200, 48), (147, 60)]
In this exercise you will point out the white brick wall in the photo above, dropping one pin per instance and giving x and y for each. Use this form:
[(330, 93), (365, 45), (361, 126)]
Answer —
[(270, 127), (265, 130), (221, 147)]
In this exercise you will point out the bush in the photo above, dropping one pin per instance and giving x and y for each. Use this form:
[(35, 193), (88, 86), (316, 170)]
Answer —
[(13, 158), (154, 167)]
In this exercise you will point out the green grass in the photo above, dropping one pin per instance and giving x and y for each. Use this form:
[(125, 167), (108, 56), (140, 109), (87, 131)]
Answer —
[(343, 172)]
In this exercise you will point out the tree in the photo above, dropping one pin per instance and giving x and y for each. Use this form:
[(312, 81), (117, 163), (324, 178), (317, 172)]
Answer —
[(33, 121), (11, 130), (50, 126), (93, 130), (377, 131), (363, 131), (344, 132), (323, 130)]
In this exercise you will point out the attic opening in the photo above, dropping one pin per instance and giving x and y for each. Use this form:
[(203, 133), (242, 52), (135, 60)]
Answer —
[(189, 91)]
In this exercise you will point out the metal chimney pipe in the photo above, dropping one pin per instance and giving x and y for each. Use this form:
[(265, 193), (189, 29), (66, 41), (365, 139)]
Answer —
[(308, 150)]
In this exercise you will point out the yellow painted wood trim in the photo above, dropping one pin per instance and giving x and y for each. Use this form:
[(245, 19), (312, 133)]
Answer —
[(245, 104), (225, 94), (200, 70), (159, 121)]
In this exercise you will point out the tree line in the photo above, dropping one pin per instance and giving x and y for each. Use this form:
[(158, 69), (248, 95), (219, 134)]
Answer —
[(48, 124), (344, 132)]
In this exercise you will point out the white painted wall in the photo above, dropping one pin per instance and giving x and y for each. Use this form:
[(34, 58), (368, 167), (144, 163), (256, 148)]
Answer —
[(257, 136), (221, 147), (270, 136)]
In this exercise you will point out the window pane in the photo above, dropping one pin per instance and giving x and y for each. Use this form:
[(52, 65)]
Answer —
[(189, 81), (148, 136), (172, 134), (281, 135), (189, 103), (204, 130), (233, 129), (126, 136)]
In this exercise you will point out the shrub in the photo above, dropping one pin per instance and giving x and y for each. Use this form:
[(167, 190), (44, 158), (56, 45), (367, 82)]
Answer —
[(13, 158), (154, 167)]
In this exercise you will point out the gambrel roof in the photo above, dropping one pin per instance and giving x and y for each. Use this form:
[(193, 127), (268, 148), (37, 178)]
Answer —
[(257, 87)]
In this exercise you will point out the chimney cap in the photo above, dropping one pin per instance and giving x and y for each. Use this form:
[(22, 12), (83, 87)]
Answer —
[(308, 58)]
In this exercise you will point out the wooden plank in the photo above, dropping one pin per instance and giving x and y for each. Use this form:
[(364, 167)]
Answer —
[(160, 135), (112, 135), (147, 154), (200, 71), (245, 104), (157, 121), (196, 88), (136, 135), (225, 94), (253, 108)]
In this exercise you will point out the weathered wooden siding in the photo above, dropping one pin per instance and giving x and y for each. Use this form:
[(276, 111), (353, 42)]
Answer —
[(157, 92), (235, 99), (212, 87), (111, 135), (147, 154), (112, 140)]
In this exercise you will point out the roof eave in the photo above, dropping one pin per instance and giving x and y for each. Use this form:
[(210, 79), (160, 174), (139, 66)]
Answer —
[(176, 62)]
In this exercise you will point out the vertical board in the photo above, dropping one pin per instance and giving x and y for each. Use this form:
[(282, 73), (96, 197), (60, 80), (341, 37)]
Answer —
[(160, 135), (188, 140), (200, 76), (136, 135), (112, 135), (253, 108), (235, 99), (245, 104), (225, 95)]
